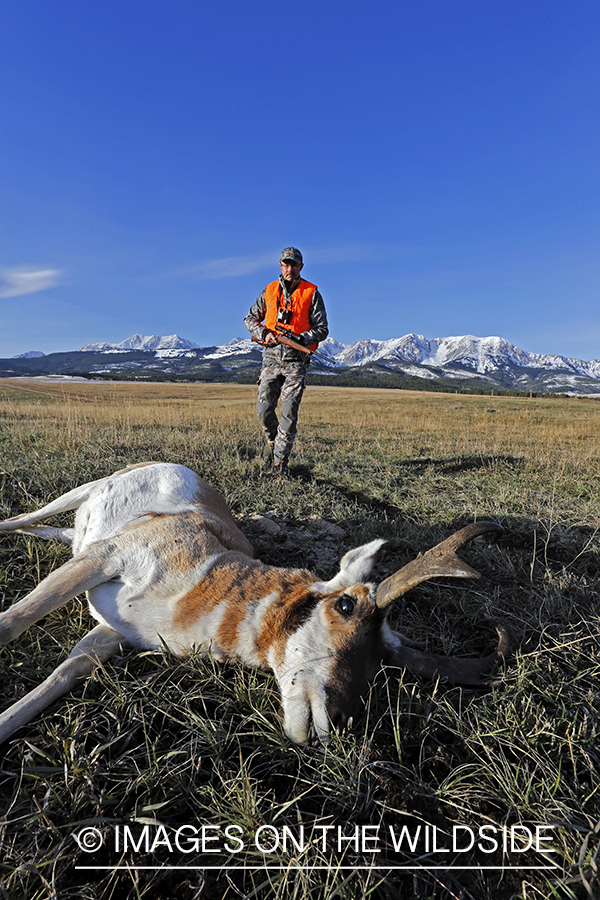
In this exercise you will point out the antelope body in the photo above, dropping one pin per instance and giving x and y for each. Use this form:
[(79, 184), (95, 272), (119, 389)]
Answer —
[(163, 562)]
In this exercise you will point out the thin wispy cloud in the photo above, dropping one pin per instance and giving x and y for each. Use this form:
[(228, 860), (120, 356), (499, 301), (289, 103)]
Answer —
[(231, 266), (26, 280), (236, 266)]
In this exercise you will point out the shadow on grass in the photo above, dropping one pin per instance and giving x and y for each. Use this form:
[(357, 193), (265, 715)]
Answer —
[(460, 463)]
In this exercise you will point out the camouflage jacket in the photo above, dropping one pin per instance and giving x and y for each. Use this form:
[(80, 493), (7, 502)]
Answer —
[(279, 353)]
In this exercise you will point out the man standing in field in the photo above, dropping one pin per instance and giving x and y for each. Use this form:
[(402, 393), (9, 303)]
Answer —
[(296, 306)]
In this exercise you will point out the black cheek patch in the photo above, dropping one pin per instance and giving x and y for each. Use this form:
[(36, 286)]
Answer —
[(354, 664), (300, 612), (347, 684)]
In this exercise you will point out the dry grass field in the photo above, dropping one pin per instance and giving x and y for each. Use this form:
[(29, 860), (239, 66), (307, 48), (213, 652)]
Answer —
[(152, 749)]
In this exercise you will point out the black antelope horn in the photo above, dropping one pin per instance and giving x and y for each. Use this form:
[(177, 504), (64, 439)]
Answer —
[(453, 668), (440, 561)]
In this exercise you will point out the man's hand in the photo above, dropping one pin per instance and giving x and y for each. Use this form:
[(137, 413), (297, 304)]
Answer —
[(270, 338)]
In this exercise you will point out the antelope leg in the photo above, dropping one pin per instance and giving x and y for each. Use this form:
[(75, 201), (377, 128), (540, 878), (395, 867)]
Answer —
[(73, 578), (64, 535), (95, 648), (69, 501)]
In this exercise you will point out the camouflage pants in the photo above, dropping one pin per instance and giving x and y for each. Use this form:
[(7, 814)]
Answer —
[(288, 382)]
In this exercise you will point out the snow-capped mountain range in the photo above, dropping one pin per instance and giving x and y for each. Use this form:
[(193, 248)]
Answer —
[(144, 342), (481, 355), (31, 354), (491, 361)]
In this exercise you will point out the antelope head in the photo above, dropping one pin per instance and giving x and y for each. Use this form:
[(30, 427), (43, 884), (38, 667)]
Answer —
[(331, 657)]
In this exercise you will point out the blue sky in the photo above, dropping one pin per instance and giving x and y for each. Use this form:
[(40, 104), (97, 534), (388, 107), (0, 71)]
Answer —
[(436, 161)]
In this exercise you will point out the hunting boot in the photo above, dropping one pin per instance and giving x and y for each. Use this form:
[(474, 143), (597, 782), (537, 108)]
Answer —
[(281, 469)]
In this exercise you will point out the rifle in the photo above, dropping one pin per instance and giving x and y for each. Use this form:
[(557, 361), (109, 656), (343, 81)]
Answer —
[(286, 337)]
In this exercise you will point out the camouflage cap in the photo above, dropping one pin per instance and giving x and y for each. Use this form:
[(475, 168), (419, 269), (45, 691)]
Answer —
[(291, 253)]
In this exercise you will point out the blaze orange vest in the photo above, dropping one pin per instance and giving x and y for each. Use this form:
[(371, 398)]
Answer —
[(301, 300)]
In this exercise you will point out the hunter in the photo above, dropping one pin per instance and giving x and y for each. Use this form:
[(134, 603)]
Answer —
[(291, 306)]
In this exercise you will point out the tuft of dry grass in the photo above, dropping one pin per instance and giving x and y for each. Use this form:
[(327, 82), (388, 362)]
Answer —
[(157, 743)]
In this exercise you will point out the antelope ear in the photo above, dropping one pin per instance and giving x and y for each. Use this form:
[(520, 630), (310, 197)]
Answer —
[(355, 567)]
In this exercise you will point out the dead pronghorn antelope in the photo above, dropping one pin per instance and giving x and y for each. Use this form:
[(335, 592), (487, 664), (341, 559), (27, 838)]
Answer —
[(164, 563)]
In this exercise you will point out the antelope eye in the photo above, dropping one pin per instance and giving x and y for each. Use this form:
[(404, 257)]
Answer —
[(345, 605)]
